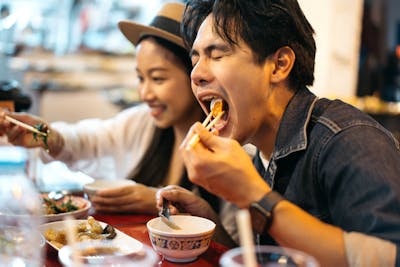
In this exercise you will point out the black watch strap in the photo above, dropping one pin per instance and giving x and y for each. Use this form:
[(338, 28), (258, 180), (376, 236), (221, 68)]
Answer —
[(262, 211)]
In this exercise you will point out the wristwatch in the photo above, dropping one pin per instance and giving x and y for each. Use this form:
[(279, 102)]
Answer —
[(261, 211)]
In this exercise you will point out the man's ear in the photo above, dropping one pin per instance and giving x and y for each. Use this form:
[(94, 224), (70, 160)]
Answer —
[(283, 60)]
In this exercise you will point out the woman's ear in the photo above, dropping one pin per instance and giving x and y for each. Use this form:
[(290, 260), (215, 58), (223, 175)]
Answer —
[(283, 59)]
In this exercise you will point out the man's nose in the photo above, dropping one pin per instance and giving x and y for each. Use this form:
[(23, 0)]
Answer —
[(201, 73)]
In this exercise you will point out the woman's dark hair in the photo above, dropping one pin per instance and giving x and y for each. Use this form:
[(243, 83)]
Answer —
[(154, 166), (264, 25), (180, 52), (160, 150)]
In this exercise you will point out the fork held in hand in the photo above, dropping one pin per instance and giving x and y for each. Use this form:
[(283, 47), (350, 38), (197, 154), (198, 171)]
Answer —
[(165, 216)]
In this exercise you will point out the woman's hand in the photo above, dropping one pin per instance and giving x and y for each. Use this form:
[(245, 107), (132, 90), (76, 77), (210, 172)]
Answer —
[(127, 199), (185, 201), (223, 167), (20, 136)]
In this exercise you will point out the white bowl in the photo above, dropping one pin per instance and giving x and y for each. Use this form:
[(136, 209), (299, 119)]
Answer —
[(91, 188), (183, 245)]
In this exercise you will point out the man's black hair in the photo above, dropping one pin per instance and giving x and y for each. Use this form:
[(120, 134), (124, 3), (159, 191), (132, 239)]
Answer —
[(264, 25)]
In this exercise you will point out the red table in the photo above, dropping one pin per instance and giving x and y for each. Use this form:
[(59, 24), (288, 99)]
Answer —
[(135, 225)]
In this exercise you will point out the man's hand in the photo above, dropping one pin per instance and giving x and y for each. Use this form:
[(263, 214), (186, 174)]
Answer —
[(223, 167)]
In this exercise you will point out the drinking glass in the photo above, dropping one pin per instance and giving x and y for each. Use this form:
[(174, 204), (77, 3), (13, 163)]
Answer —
[(269, 256), (20, 211)]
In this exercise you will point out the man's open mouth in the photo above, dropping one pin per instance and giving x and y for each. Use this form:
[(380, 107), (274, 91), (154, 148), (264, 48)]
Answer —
[(216, 105)]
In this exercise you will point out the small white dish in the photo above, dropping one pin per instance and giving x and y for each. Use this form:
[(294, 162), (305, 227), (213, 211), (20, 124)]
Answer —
[(123, 241), (91, 188)]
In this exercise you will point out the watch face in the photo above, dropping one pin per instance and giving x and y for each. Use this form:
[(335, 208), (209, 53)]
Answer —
[(261, 219)]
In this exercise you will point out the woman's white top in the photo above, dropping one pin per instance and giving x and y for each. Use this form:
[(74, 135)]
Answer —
[(106, 149)]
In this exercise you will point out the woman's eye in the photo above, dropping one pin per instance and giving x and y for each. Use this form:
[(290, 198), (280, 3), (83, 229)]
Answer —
[(158, 79)]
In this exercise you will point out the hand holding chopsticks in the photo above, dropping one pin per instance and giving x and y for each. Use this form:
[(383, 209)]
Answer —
[(24, 125), (195, 139), (40, 131)]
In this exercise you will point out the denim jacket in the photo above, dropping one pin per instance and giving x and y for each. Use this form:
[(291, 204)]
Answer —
[(339, 165)]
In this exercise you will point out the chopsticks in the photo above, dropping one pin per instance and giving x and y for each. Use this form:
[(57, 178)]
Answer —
[(24, 125), (195, 139)]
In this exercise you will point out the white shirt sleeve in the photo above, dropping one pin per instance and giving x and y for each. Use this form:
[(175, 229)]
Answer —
[(106, 149), (367, 251)]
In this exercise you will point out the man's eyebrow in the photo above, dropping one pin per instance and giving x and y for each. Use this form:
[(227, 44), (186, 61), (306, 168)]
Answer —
[(221, 47)]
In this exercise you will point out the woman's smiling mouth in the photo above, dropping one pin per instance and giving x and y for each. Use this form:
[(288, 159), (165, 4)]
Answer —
[(156, 110)]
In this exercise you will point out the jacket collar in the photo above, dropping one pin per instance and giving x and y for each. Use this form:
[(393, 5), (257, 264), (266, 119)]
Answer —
[(292, 133)]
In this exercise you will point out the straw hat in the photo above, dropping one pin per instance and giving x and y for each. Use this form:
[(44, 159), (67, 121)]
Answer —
[(166, 24)]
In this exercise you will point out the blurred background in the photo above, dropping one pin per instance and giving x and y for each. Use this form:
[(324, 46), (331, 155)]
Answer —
[(70, 56), (67, 60), (71, 59)]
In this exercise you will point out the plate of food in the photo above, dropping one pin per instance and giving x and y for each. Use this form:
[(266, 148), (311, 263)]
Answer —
[(69, 205), (90, 230)]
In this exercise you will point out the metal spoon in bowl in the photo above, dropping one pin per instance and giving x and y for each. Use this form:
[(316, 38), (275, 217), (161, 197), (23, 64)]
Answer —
[(165, 216)]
